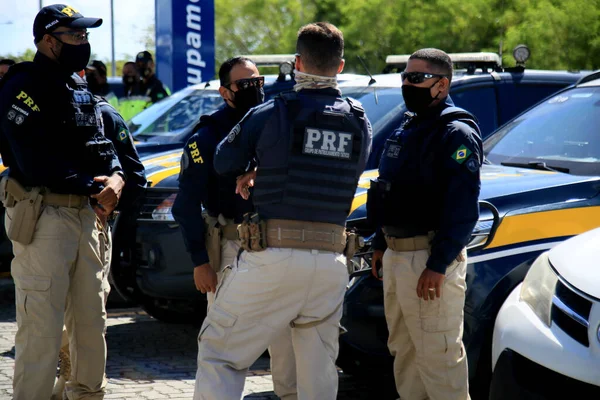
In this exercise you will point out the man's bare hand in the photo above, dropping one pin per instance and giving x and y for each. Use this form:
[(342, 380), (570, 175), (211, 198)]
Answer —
[(205, 278), (430, 284), (244, 183), (109, 197), (376, 261)]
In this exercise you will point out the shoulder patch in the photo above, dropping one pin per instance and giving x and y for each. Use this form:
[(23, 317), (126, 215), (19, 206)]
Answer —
[(234, 132), (123, 135), (195, 152), (461, 154), (472, 165)]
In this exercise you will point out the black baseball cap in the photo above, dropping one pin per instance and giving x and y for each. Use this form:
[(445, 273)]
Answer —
[(97, 65), (143, 56), (51, 17)]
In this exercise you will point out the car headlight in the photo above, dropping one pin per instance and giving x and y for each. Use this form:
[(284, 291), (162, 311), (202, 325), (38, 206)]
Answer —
[(538, 288), (163, 212)]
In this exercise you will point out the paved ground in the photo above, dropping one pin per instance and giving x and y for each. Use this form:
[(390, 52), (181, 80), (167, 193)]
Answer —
[(149, 359)]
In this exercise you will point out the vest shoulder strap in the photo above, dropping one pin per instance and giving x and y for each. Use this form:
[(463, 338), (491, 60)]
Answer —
[(356, 107)]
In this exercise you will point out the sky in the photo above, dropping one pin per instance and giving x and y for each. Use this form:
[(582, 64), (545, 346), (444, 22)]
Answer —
[(132, 17)]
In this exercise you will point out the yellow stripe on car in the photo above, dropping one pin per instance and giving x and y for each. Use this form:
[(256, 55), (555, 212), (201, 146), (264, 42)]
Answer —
[(159, 176), (545, 225)]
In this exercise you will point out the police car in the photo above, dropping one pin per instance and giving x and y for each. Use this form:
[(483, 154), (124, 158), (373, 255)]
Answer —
[(540, 185), (156, 268)]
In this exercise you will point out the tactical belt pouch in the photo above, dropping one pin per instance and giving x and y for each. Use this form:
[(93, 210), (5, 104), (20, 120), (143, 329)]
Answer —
[(212, 240), (414, 243), (253, 233), (354, 243), (26, 205)]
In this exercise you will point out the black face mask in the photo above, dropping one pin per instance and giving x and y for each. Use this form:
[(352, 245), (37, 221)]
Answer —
[(92, 84), (144, 71), (129, 80), (418, 99), (74, 58), (247, 98)]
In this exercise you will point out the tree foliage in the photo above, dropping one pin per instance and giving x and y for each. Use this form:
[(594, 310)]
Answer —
[(560, 34)]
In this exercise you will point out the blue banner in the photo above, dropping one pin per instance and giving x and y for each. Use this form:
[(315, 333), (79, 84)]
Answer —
[(185, 42)]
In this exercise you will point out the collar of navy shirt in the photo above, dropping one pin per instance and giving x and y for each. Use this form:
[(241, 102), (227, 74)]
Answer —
[(50, 67)]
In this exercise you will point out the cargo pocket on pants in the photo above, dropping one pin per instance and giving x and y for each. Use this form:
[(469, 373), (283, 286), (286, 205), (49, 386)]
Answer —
[(441, 346), (217, 326), (33, 304)]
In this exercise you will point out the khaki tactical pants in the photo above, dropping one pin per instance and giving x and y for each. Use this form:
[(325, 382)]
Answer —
[(256, 301), (283, 365), (425, 336), (61, 278), (104, 234)]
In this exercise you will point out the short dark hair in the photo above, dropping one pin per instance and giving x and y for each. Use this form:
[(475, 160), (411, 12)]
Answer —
[(129, 63), (321, 46), (439, 60), (7, 61), (227, 66)]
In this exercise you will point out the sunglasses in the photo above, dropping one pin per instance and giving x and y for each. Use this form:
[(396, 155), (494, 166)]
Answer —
[(419, 77), (75, 35), (249, 82)]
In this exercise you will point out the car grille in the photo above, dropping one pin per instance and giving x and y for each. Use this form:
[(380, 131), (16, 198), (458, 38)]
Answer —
[(152, 199), (571, 313)]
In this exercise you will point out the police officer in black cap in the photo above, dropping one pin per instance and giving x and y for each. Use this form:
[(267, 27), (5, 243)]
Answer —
[(64, 177), (151, 86), (425, 206)]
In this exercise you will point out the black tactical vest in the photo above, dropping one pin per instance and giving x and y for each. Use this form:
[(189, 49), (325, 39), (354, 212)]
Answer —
[(308, 158), (87, 121)]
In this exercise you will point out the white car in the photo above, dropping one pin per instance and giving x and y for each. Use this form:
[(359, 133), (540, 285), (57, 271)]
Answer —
[(547, 335)]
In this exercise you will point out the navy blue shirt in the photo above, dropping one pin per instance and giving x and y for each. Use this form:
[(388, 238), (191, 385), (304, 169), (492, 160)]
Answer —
[(433, 165), (38, 139), (239, 150), (115, 130), (200, 186)]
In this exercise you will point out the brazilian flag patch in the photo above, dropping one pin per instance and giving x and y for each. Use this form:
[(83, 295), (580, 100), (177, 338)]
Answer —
[(461, 154), (123, 135)]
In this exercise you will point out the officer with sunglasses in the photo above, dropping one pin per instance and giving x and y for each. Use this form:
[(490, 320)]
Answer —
[(425, 206), (211, 237), (63, 174)]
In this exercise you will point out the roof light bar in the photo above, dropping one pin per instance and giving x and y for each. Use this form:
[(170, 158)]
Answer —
[(457, 58), (271, 60)]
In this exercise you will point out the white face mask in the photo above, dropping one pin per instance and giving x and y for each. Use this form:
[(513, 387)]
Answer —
[(310, 81)]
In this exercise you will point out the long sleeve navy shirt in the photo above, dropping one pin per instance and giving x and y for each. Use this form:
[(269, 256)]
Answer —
[(435, 170), (200, 186), (37, 140)]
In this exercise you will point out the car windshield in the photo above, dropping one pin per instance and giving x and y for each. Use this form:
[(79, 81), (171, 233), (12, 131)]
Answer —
[(381, 104), (174, 114), (562, 132)]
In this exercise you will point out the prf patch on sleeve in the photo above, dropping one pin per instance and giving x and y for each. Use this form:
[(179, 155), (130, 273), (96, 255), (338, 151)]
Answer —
[(195, 153), (461, 154)]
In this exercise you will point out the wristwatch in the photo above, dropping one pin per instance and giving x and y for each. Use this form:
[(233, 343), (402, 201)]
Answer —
[(122, 175)]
